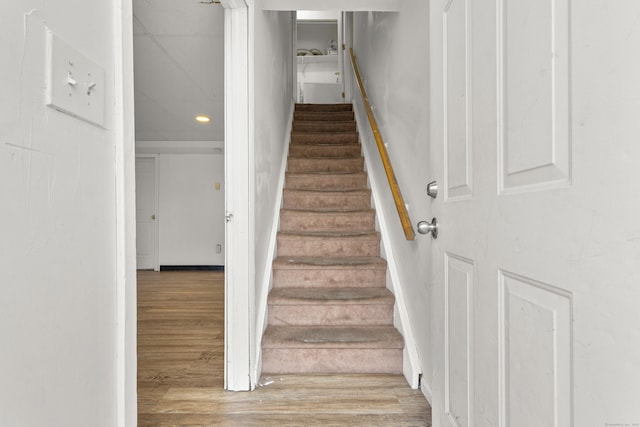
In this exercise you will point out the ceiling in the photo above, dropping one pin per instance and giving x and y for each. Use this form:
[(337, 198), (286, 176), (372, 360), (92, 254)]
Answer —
[(179, 69)]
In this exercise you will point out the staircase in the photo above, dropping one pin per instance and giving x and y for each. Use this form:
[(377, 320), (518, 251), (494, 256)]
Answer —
[(329, 309)]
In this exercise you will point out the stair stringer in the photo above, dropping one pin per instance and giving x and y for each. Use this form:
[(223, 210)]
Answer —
[(411, 367), (265, 282)]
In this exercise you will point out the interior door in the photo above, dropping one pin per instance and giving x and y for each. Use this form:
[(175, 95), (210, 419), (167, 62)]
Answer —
[(146, 212), (535, 129)]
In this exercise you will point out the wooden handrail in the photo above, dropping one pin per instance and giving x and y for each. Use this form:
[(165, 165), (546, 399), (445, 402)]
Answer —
[(405, 221)]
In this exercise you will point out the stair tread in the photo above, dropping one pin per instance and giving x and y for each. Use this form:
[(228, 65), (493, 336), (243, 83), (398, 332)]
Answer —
[(292, 262), (331, 296), (324, 133), (333, 211), (329, 234), (326, 144), (323, 107), (326, 158), (332, 337), (339, 173), (356, 191)]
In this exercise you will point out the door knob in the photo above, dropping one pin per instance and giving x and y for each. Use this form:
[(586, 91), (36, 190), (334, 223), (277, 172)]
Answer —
[(432, 189), (426, 227)]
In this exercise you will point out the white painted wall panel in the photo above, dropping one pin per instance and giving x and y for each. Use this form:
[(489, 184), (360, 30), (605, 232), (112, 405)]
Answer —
[(191, 209), (392, 51), (271, 98), (58, 227)]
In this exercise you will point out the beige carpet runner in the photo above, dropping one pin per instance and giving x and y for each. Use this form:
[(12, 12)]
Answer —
[(329, 309)]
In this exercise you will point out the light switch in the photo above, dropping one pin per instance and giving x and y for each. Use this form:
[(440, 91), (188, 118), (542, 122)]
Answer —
[(75, 84)]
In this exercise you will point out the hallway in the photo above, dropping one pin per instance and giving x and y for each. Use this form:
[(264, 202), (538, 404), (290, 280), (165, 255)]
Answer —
[(180, 370)]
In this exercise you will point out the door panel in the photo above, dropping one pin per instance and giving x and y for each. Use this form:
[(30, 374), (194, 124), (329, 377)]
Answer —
[(535, 349), (146, 213), (459, 285), (534, 115), (456, 103), (533, 99)]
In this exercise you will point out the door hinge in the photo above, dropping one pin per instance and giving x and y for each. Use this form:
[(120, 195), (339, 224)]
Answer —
[(343, 94), (344, 46), (229, 216)]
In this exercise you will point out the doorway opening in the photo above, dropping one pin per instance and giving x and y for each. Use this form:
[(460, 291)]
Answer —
[(319, 60), (179, 117), (180, 191)]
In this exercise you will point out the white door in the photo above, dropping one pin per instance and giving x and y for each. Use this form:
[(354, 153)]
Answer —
[(147, 212), (536, 147)]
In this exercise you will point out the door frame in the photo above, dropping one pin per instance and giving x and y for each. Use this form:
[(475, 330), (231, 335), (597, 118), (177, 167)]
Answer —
[(239, 196), (125, 383), (156, 209), (237, 328)]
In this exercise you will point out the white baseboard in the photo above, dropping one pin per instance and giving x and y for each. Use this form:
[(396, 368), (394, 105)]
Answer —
[(411, 361), (426, 390), (265, 282)]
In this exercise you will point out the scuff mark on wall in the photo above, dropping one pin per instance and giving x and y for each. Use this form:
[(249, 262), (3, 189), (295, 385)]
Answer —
[(20, 147)]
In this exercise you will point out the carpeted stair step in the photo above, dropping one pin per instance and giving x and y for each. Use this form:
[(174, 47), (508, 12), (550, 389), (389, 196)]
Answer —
[(323, 107), (335, 116), (324, 137), (337, 221), (331, 306), (325, 150), (326, 200), (324, 126), (331, 165), (298, 272), (329, 310), (351, 244), (326, 182), (335, 349)]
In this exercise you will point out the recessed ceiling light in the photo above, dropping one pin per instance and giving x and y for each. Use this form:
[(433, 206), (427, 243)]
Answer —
[(203, 119)]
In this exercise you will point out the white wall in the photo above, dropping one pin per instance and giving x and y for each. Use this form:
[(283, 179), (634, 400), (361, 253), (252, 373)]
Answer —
[(317, 35), (392, 51), (271, 74), (58, 227), (191, 209)]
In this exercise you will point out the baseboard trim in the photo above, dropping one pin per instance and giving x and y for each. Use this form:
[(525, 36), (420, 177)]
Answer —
[(411, 361), (265, 280), (192, 268)]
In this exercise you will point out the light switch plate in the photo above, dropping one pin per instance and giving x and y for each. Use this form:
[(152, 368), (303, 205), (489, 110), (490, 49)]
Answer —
[(75, 84)]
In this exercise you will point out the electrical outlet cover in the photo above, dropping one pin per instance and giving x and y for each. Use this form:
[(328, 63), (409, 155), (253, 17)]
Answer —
[(75, 84)]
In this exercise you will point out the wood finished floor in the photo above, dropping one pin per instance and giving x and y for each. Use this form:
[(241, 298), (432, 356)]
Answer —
[(180, 371)]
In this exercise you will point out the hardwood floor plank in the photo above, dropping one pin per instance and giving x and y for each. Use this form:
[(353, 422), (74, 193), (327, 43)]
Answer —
[(181, 372)]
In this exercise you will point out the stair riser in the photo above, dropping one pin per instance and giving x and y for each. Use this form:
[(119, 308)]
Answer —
[(324, 126), (330, 278), (331, 315), (331, 222), (331, 361), (342, 182), (323, 107), (298, 165), (315, 151), (324, 138), (332, 116), (312, 246), (313, 200)]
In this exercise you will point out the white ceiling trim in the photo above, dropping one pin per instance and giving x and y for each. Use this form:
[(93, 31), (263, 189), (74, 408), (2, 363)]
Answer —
[(180, 147), (339, 5)]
